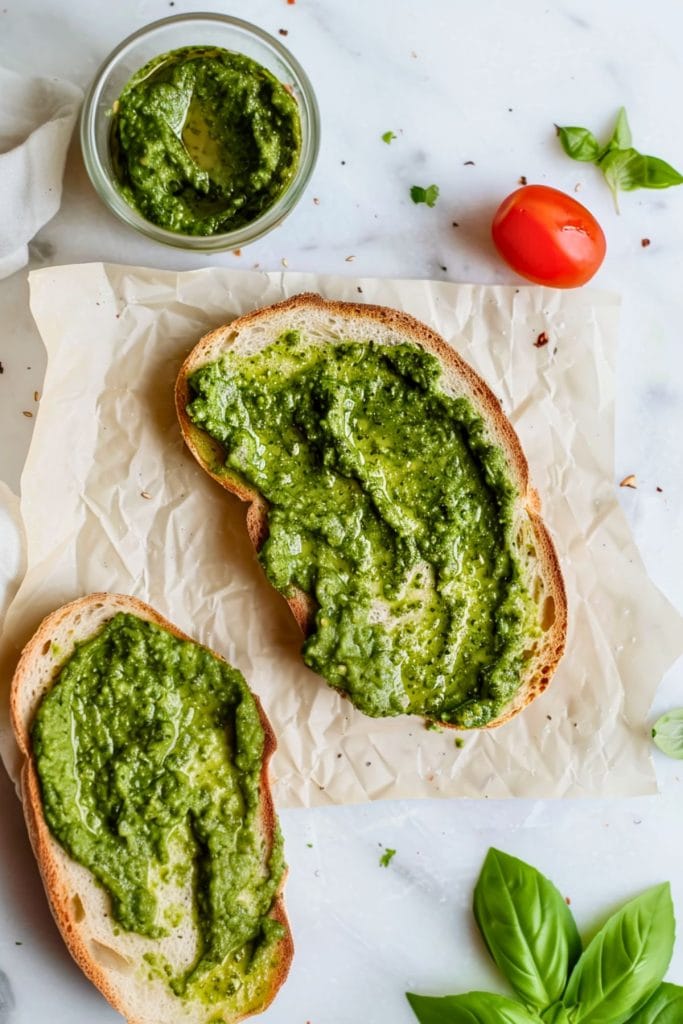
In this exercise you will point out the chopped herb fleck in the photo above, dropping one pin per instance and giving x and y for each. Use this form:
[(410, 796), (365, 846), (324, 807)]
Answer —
[(388, 137), (427, 195), (387, 857)]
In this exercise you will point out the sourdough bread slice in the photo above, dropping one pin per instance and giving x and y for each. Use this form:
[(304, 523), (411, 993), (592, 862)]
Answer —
[(112, 958), (329, 323)]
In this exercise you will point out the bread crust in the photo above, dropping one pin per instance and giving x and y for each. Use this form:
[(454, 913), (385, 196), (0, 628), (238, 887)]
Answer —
[(460, 377), (36, 657)]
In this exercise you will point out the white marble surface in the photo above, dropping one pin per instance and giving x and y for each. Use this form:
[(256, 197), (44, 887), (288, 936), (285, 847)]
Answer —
[(457, 82)]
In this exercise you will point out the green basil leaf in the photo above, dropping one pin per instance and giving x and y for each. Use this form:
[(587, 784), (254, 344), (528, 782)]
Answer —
[(579, 143), (527, 927), (665, 1007), (469, 1008), (621, 136), (555, 1014), (625, 962), (627, 169), (667, 733)]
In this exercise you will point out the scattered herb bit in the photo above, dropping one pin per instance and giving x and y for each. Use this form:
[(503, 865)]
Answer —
[(667, 733), (349, 259), (359, 289), (531, 935), (469, 163), (309, 845), (388, 137), (459, 742), (659, 490), (645, 242), (541, 340), (316, 201), (427, 195), (432, 726), (387, 857), (522, 179), (455, 224), (624, 168), (629, 481), (17, 943), (444, 268)]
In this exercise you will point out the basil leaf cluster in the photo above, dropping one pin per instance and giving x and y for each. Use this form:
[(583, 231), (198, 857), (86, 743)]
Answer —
[(625, 169), (532, 937)]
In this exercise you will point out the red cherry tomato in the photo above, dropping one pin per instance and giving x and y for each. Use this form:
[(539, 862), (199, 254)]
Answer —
[(547, 237)]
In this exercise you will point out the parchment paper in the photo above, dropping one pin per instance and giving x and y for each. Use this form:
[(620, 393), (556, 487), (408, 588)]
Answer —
[(111, 500)]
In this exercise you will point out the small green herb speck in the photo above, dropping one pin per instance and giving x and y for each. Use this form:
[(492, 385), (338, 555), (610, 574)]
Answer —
[(388, 137), (427, 195), (387, 857)]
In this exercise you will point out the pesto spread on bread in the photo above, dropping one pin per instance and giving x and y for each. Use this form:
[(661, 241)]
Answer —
[(204, 140), (149, 752), (389, 505)]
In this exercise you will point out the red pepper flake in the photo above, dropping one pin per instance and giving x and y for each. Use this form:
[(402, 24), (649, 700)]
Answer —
[(291, 2), (541, 340), (522, 179), (629, 481), (568, 901), (659, 490), (288, 88), (237, 252), (645, 242), (283, 31)]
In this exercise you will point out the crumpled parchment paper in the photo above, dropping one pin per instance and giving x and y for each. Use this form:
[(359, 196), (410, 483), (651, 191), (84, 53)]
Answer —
[(112, 500)]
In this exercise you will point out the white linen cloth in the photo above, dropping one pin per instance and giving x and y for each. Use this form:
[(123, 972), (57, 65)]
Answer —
[(37, 117)]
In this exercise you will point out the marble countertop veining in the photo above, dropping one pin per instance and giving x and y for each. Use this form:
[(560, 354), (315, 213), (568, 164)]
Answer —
[(472, 92)]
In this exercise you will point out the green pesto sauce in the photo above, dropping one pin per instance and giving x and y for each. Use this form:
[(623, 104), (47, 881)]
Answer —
[(389, 506), (149, 752), (204, 140)]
